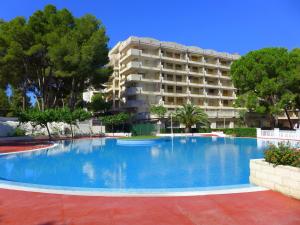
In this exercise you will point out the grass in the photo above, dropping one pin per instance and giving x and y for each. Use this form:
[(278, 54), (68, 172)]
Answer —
[(142, 137)]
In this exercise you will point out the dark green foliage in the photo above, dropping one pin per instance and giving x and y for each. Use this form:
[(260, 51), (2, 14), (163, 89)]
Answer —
[(53, 55), (283, 155), (239, 132), (19, 132), (160, 111), (143, 129), (190, 115), (4, 103), (204, 130), (72, 117), (117, 119), (268, 81), (98, 104)]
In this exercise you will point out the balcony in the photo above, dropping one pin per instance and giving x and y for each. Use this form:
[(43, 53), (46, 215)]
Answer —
[(132, 91), (139, 65), (139, 77), (222, 113), (151, 92), (172, 69), (134, 77), (134, 103), (212, 84), (136, 52)]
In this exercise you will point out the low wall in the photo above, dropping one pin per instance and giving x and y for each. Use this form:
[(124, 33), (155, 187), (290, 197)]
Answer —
[(118, 134), (278, 134), (8, 126), (219, 134), (285, 179)]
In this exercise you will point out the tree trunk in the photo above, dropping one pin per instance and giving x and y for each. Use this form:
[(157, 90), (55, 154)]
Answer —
[(49, 134), (187, 129), (72, 135), (23, 103), (289, 118), (71, 100), (272, 121)]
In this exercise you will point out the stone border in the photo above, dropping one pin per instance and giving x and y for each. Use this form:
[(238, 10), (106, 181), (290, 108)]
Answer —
[(285, 179)]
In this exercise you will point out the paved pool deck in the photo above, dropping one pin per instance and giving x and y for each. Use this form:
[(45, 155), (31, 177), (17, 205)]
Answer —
[(264, 207)]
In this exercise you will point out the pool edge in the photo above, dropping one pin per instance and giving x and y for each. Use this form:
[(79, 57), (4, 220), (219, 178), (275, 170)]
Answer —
[(131, 192)]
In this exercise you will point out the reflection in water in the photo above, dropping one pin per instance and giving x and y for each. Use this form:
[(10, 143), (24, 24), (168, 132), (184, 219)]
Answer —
[(88, 169), (167, 163), (154, 152)]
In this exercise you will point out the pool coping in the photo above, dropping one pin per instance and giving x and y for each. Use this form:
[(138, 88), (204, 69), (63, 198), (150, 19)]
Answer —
[(108, 192)]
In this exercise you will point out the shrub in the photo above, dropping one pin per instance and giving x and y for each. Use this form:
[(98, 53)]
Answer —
[(239, 132), (283, 155), (204, 130), (19, 132)]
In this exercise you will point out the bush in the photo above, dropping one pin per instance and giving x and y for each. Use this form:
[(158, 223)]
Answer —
[(143, 129), (239, 132), (204, 130), (283, 155), (19, 132)]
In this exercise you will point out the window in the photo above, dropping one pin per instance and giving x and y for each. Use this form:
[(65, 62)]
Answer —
[(178, 78), (211, 91)]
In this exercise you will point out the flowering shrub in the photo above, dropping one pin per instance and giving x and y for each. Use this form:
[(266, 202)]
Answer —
[(283, 155)]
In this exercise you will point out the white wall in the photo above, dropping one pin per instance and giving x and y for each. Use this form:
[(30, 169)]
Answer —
[(8, 126)]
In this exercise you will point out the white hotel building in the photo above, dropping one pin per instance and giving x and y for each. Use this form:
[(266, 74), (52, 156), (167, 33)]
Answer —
[(151, 72)]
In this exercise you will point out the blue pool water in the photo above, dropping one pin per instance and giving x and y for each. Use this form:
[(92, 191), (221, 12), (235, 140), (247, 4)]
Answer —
[(194, 162)]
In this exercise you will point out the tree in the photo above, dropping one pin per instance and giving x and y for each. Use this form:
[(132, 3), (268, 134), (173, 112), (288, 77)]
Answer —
[(41, 118), (53, 55), (190, 115), (122, 118), (112, 120), (17, 102), (73, 117), (4, 103), (160, 111), (109, 120), (98, 104), (267, 81)]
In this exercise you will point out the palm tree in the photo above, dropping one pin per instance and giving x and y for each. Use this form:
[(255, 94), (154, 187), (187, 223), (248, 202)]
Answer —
[(190, 115)]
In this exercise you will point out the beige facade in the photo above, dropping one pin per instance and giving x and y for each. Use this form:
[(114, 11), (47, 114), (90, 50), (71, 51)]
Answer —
[(151, 72)]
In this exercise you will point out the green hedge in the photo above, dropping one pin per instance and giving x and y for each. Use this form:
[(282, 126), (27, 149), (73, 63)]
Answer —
[(239, 132), (143, 129), (283, 155)]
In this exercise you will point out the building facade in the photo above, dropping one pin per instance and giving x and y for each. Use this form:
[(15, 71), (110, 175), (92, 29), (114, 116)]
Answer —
[(150, 72)]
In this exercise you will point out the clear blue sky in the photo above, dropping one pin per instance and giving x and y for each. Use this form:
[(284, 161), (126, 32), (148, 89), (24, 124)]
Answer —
[(228, 25)]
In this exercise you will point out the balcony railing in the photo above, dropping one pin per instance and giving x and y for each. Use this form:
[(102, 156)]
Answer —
[(134, 103)]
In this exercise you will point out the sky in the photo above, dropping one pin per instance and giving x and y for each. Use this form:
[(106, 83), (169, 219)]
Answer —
[(232, 26)]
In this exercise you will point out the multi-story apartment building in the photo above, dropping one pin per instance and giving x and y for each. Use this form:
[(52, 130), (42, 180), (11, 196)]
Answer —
[(151, 72)]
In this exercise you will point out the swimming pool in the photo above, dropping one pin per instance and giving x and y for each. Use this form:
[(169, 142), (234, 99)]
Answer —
[(179, 163)]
